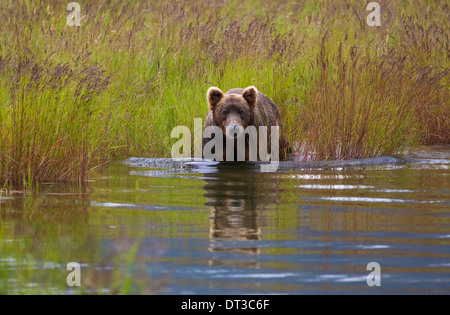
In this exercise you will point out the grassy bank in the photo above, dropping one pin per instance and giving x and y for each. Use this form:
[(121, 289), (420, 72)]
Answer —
[(74, 97)]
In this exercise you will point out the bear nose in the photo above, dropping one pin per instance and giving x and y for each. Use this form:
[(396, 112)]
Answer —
[(235, 130)]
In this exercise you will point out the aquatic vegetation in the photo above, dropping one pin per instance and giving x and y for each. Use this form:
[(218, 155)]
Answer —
[(73, 97)]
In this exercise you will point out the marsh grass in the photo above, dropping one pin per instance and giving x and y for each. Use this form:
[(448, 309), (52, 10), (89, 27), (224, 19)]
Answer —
[(74, 97)]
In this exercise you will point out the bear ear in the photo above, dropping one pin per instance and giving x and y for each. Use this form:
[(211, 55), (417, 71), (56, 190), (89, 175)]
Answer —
[(213, 96), (251, 96)]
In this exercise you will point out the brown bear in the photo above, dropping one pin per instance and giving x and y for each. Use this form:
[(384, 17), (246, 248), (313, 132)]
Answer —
[(238, 109)]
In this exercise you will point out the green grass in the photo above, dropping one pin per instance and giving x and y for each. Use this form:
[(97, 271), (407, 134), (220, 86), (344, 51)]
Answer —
[(74, 97)]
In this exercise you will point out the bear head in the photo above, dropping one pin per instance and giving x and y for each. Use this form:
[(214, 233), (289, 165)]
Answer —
[(233, 112)]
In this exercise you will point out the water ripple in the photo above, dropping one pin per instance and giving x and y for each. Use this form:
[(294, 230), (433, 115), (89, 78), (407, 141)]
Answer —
[(380, 200)]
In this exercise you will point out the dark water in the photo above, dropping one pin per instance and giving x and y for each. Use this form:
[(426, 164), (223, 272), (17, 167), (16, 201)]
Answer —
[(154, 226)]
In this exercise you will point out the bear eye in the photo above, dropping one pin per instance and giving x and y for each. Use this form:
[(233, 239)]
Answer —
[(241, 111), (224, 112)]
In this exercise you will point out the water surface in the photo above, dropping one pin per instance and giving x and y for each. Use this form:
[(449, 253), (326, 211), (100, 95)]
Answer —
[(167, 227)]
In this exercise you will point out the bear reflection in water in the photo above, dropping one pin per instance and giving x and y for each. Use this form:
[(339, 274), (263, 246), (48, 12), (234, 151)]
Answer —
[(238, 195)]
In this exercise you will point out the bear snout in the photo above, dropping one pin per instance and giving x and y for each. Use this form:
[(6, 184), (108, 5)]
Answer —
[(234, 131)]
